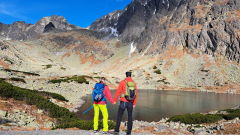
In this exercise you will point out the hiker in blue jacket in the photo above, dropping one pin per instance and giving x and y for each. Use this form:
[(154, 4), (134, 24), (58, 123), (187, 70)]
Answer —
[(101, 105)]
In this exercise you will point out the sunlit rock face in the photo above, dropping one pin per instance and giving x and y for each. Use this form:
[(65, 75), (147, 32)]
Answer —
[(210, 26)]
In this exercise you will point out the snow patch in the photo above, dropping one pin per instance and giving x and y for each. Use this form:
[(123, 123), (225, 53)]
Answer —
[(168, 4), (154, 12), (146, 3), (7, 38), (163, 2), (114, 31), (132, 49), (2, 33)]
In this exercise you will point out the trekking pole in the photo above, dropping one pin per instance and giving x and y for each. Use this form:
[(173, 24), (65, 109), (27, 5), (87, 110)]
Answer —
[(88, 109)]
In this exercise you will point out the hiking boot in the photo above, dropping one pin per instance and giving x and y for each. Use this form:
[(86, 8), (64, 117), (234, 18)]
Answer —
[(96, 131), (106, 132)]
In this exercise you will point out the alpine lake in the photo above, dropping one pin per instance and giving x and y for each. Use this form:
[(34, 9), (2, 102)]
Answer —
[(153, 105)]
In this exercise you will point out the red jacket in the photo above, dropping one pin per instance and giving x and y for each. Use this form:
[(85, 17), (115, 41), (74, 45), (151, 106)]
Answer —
[(107, 94), (121, 90)]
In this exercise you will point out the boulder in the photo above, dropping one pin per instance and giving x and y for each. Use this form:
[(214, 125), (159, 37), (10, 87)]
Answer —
[(49, 124), (3, 113), (22, 123), (40, 111), (2, 121), (32, 124)]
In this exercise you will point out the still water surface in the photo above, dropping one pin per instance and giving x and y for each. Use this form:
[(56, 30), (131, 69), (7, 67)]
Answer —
[(152, 105)]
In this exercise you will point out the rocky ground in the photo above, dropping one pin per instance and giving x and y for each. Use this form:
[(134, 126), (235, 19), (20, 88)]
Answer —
[(18, 116), (160, 64)]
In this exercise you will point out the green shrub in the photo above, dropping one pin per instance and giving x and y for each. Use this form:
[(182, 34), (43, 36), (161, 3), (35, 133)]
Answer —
[(2, 79), (63, 68), (6, 89), (195, 118), (154, 67), (81, 124), (233, 114), (6, 59), (17, 79), (163, 80), (204, 70), (28, 73), (79, 79), (48, 66), (157, 71)]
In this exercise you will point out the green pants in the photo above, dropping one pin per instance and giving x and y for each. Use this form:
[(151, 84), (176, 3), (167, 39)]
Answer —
[(104, 111)]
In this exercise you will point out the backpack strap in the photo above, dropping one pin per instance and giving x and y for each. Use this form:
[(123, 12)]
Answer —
[(123, 95)]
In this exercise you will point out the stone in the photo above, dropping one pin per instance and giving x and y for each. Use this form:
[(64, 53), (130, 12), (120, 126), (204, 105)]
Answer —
[(2, 121), (16, 111), (222, 127), (237, 118), (40, 111), (223, 112), (49, 124), (22, 123), (3, 113), (13, 124), (32, 124)]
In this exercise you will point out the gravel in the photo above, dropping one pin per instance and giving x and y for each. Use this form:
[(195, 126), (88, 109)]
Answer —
[(59, 132)]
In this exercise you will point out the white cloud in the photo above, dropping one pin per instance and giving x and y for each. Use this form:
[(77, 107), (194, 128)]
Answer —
[(11, 10)]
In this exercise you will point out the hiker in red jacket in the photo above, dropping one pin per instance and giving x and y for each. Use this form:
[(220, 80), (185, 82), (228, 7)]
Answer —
[(102, 106), (124, 103)]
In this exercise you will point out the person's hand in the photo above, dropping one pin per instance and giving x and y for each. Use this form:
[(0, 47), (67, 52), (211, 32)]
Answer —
[(134, 106), (114, 103)]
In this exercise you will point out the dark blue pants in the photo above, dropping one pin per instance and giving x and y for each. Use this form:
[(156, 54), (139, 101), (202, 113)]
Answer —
[(121, 109)]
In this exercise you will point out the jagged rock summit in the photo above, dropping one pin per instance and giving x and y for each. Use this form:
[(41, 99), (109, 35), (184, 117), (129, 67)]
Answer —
[(21, 31)]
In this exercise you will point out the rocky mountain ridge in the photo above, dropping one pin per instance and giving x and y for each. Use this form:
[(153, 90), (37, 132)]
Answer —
[(22, 31), (153, 25)]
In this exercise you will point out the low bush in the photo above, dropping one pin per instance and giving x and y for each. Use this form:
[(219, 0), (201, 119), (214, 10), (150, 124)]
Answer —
[(28, 73), (195, 118), (204, 70), (198, 118), (81, 124), (233, 114), (154, 67), (63, 68), (79, 79), (48, 66), (163, 80), (6, 59), (17, 79), (157, 71)]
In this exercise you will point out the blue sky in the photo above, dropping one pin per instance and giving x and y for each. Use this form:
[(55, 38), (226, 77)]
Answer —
[(79, 12)]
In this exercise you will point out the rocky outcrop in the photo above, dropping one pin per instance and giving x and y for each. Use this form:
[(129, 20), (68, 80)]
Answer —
[(154, 25), (109, 20), (21, 31)]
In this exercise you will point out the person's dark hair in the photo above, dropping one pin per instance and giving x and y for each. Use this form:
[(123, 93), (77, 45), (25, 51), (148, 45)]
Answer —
[(102, 78), (128, 74)]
